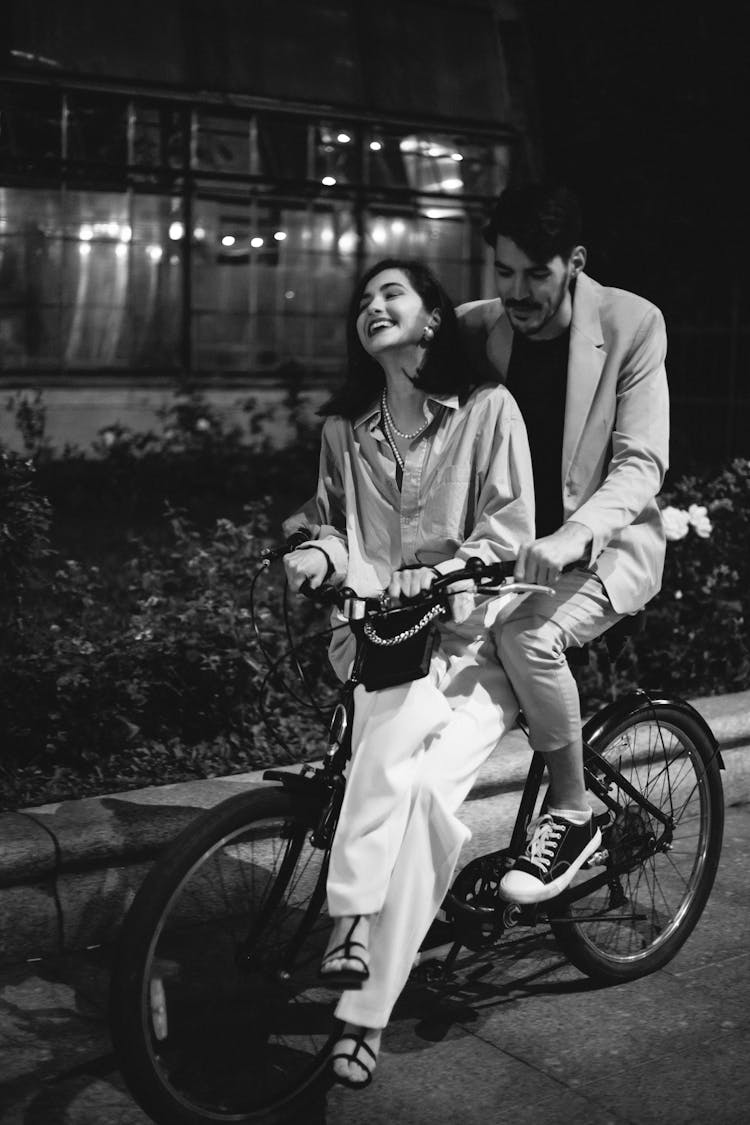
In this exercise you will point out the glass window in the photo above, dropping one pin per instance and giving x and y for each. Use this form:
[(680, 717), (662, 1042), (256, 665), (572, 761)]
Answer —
[(448, 165), (122, 281), (270, 284), (336, 155), (93, 265), (30, 128), (284, 144), (160, 137), (96, 129), (226, 144)]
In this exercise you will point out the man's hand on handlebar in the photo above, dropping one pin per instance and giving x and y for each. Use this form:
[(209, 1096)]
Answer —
[(544, 560)]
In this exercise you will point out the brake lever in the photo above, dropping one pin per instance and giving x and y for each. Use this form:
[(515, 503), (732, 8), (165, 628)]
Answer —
[(511, 587)]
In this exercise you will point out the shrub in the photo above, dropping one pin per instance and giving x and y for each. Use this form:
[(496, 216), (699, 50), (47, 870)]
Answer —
[(141, 660), (697, 635), (165, 660), (25, 518)]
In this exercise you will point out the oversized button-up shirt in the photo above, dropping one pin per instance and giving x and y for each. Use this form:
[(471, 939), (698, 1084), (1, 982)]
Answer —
[(467, 490)]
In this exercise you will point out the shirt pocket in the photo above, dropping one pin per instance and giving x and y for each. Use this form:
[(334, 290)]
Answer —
[(448, 503)]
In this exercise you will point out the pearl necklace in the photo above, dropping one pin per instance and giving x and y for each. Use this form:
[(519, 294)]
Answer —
[(392, 425)]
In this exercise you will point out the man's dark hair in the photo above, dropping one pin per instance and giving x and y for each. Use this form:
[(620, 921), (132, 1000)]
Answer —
[(543, 220), (446, 369)]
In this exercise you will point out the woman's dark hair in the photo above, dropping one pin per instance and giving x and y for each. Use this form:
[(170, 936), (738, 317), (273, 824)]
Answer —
[(543, 220), (446, 369)]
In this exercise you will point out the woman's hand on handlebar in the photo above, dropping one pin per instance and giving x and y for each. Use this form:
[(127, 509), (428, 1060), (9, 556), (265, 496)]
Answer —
[(410, 582), (416, 580), (309, 566)]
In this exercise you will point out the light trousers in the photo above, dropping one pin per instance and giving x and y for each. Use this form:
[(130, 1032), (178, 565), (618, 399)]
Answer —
[(417, 751), (531, 642)]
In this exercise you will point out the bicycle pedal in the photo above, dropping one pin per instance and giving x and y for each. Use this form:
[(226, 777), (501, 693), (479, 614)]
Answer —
[(598, 859)]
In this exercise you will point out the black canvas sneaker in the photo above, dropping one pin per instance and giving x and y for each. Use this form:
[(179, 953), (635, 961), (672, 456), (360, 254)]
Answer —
[(555, 850)]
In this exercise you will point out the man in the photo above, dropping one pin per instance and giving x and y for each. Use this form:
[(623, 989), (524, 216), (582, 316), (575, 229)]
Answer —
[(585, 363)]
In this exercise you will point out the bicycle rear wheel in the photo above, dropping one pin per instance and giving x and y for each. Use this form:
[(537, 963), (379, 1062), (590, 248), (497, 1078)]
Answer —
[(216, 1011), (635, 923)]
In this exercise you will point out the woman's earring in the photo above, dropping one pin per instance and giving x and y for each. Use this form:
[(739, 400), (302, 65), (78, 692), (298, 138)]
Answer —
[(428, 335)]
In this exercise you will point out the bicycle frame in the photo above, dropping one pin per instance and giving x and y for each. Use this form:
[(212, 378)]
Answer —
[(600, 775)]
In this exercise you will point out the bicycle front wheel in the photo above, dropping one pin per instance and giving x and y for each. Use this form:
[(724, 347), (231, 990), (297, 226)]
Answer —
[(662, 870), (216, 1011)]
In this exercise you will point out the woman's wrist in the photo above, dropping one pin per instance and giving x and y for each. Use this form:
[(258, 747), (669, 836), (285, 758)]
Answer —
[(326, 556)]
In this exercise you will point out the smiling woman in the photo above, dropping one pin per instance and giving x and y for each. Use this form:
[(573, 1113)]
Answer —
[(410, 406), (406, 306)]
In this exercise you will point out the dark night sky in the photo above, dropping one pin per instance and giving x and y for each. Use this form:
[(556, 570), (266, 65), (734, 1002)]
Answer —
[(643, 108)]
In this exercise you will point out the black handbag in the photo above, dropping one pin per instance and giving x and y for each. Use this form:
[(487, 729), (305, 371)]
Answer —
[(400, 649)]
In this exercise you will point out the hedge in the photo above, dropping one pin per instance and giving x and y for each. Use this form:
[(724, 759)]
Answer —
[(135, 661)]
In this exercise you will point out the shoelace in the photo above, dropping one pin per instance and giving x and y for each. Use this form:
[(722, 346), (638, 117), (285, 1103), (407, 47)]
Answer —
[(543, 835)]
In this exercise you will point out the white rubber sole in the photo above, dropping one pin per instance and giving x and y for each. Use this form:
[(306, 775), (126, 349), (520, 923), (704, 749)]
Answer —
[(525, 889)]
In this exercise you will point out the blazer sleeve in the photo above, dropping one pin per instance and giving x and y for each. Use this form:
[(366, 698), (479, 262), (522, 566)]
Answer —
[(640, 438)]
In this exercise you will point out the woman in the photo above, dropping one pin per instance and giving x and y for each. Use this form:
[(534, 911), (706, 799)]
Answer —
[(419, 470)]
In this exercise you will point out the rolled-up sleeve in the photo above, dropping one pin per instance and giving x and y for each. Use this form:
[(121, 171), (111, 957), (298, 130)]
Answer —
[(324, 515)]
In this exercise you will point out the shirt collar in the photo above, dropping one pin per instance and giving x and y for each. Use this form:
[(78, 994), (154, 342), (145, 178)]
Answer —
[(371, 415)]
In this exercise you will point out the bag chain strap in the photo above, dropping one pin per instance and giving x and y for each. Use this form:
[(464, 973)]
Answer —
[(389, 642)]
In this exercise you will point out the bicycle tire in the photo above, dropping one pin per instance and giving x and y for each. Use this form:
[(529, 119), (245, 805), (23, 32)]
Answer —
[(205, 1026), (672, 759)]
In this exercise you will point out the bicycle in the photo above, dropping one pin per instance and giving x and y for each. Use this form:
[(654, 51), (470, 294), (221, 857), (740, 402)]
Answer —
[(217, 1013)]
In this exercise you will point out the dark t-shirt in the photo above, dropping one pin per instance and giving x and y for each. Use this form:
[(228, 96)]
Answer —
[(537, 379)]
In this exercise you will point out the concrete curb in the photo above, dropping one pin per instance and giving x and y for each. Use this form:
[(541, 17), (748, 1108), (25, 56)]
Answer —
[(69, 871)]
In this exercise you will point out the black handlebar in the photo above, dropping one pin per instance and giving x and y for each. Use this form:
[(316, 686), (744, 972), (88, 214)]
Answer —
[(295, 540), (484, 575)]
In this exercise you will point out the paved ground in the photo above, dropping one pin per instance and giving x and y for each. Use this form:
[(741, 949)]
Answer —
[(524, 1039)]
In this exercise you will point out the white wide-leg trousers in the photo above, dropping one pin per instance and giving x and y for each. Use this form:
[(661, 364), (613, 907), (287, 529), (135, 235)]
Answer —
[(418, 749)]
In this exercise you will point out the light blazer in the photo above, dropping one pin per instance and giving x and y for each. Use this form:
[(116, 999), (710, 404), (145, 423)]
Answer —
[(616, 430)]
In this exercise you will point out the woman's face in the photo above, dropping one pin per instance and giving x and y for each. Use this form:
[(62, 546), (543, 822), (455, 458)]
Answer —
[(391, 313)]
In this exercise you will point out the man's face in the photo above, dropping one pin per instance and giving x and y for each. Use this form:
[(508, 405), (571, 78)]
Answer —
[(535, 295)]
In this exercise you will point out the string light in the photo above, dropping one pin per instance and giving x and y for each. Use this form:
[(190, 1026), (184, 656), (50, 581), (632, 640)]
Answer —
[(256, 243), (328, 181), (176, 231), (375, 146), (280, 235), (343, 138), (228, 240)]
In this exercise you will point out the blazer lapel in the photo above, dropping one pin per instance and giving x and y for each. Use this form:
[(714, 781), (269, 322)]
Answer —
[(499, 346), (586, 360)]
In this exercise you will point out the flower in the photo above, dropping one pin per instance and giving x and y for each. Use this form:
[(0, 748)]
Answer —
[(676, 522), (698, 517)]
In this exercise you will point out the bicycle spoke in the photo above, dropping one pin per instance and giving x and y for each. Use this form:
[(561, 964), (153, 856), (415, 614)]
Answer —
[(662, 868)]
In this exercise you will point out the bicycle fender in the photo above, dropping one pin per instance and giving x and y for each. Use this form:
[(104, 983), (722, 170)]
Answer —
[(305, 784), (605, 720)]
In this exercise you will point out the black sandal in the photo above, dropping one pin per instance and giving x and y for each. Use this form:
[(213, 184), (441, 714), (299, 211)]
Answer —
[(346, 978), (358, 1039)]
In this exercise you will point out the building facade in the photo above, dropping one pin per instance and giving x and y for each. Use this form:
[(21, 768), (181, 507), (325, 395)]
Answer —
[(187, 195)]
